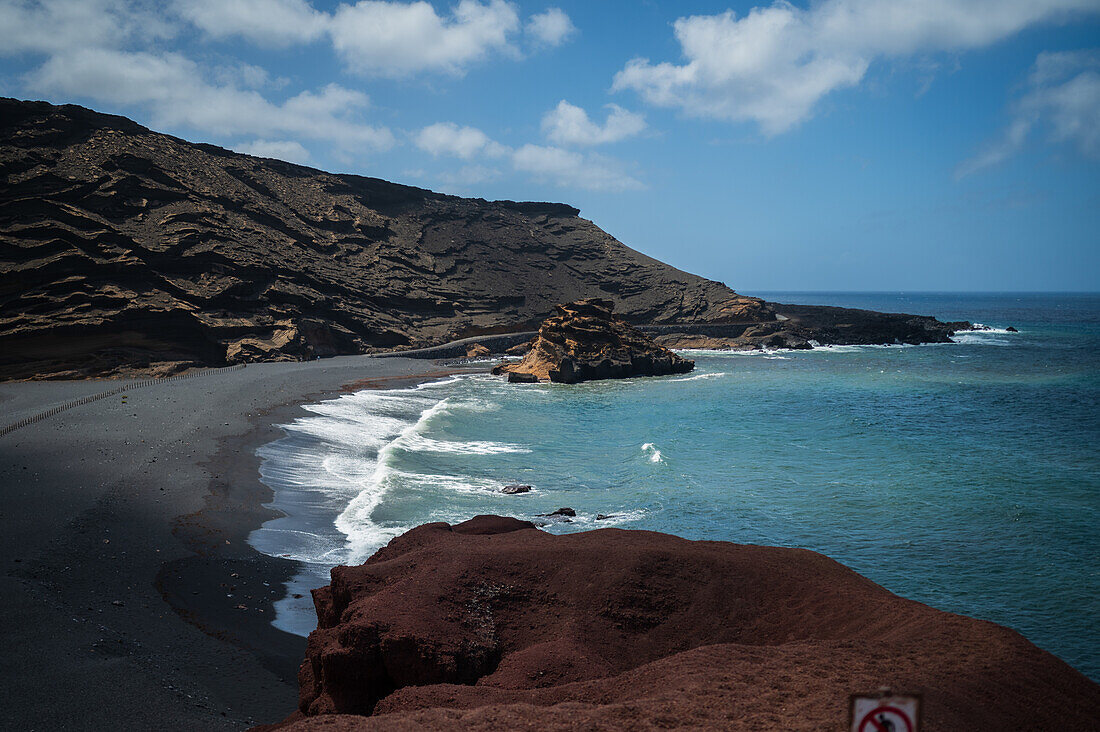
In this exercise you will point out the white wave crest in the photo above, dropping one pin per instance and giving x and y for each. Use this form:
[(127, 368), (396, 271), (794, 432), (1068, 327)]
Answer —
[(419, 443), (983, 335), (983, 328), (363, 534), (654, 454), (456, 483), (696, 377), (979, 338), (586, 522)]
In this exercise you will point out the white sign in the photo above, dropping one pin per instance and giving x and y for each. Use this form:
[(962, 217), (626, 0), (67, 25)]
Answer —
[(885, 713)]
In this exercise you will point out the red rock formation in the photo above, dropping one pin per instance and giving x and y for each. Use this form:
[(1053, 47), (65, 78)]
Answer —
[(584, 341), (493, 624)]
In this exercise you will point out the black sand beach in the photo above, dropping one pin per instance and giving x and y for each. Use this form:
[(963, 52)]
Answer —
[(131, 599)]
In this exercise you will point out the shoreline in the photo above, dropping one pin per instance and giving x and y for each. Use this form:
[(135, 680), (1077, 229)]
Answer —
[(234, 508), (123, 589)]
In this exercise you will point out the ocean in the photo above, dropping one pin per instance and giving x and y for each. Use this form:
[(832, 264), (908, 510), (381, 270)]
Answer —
[(964, 475)]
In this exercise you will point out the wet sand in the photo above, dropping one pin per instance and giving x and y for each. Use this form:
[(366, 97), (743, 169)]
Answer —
[(131, 598)]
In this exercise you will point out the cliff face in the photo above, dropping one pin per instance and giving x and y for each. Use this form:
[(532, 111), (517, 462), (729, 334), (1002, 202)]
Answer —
[(120, 246), (493, 624)]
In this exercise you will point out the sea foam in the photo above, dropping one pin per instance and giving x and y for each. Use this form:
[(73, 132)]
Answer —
[(654, 454)]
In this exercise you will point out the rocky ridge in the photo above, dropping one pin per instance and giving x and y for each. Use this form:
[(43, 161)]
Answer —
[(124, 251), (493, 624), (802, 326), (584, 341), (121, 247)]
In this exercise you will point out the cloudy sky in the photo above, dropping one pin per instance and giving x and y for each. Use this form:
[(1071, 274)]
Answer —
[(827, 145)]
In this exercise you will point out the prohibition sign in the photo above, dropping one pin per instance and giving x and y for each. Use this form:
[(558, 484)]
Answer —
[(886, 719)]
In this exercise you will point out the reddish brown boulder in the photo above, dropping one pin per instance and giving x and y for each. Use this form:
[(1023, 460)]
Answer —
[(493, 624), (584, 341)]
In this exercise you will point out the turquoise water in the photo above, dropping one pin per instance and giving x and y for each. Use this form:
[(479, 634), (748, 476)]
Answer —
[(965, 475)]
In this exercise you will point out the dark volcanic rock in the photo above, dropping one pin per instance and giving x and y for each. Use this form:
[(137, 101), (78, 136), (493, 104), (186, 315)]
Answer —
[(124, 251), (584, 341), (520, 349), (799, 326), (491, 624), (849, 326), (1010, 329), (561, 512), (121, 247), (515, 488), (476, 350)]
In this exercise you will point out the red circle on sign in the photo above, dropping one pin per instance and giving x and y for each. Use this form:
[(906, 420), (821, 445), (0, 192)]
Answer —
[(870, 718)]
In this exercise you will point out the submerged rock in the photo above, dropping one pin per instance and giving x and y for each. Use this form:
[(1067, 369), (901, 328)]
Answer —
[(584, 341), (493, 624)]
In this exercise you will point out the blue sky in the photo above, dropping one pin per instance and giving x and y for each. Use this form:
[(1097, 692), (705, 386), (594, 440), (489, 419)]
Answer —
[(833, 145)]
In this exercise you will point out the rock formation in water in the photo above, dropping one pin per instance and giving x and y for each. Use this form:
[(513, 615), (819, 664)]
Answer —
[(120, 247), (800, 326), (493, 624), (584, 341)]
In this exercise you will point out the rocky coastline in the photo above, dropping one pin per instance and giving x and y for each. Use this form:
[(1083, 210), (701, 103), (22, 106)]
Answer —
[(492, 624), (132, 253)]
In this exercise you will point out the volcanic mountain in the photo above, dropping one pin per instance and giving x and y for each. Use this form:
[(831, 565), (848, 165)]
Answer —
[(124, 249), (122, 246)]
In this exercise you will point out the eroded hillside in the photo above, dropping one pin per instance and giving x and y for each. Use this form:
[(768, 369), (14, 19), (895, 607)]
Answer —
[(121, 247)]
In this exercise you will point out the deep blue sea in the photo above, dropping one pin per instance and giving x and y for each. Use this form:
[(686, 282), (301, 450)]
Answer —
[(963, 475)]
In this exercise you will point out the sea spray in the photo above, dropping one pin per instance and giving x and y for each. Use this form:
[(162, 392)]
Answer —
[(363, 534)]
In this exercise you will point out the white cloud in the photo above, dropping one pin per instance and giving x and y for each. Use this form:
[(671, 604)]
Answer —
[(447, 138), (387, 38), (52, 26), (288, 150), (998, 151), (773, 65), (561, 167), (570, 169), (551, 28), (172, 88), (1062, 95), (1072, 109), (396, 39), (266, 22), (248, 76), (567, 124)]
